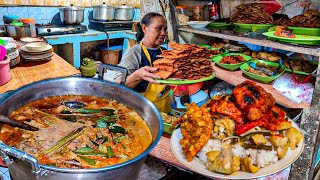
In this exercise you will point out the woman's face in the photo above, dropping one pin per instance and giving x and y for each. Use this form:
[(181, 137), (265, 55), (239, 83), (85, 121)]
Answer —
[(155, 33)]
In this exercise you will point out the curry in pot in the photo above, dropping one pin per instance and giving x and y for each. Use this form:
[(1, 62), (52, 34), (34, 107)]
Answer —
[(79, 132)]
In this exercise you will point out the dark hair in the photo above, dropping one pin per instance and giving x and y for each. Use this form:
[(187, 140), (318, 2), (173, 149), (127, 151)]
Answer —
[(146, 20)]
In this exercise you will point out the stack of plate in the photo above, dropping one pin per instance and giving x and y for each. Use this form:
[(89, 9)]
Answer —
[(39, 54)]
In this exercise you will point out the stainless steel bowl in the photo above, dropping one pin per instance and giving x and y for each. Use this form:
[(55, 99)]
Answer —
[(25, 166), (103, 12), (71, 14), (124, 13)]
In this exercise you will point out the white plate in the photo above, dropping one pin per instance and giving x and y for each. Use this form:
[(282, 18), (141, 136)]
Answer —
[(196, 166), (198, 24), (23, 48), (37, 57), (30, 39)]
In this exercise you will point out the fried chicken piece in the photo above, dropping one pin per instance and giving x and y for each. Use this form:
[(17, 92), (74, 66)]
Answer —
[(196, 128), (226, 107), (252, 100)]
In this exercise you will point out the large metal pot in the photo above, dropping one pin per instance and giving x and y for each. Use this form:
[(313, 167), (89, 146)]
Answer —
[(71, 14), (124, 13), (103, 12), (25, 166)]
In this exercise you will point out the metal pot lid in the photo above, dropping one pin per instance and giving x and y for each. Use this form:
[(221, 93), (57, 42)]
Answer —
[(124, 7), (73, 8), (104, 5)]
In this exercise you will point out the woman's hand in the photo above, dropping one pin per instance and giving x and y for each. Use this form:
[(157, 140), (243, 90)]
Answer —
[(144, 73)]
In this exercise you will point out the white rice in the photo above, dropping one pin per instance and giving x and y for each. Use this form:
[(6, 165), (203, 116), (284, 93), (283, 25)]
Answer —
[(265, 158), (238, 150), (210, 146), (253, 154)]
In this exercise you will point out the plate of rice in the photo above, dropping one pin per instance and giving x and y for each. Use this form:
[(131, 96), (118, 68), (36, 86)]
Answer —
[(266, 162)]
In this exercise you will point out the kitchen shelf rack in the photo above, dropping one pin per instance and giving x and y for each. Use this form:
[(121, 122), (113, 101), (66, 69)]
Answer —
[(303, 168), (314, 51)]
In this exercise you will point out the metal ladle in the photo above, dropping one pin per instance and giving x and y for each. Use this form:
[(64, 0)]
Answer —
[(14, 123)]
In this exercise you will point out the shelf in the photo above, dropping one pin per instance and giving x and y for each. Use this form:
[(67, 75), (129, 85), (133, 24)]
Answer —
[(262, 42), (236, 77)]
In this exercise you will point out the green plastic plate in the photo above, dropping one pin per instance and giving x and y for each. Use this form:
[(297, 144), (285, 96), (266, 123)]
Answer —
[(299, 39), (231, 67), (305, 31), (264, 79), (219, 25), (184, 81), (250, 26), (166, 128)]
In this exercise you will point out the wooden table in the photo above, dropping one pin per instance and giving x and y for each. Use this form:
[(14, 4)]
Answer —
[(28, 72)]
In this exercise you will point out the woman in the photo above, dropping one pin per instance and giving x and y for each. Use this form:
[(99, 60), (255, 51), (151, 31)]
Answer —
[(151, 33)]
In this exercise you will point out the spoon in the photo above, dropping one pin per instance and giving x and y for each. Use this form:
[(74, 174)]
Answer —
[(14, 123)]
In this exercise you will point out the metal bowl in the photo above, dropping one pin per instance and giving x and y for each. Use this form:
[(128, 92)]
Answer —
[(25, 166)]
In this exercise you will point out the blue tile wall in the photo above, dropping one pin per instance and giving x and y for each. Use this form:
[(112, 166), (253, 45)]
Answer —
[(37, 13), (44, 15), (3, 11), (21, 12)]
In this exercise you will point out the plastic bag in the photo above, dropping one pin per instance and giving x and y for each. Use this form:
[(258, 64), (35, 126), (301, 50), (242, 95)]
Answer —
[(297, 93)]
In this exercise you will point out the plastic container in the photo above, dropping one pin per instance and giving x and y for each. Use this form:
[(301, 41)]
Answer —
[(7, 19), (183, 18), (197, 13), (32, 23), (193, 88), (184, 95), (110, 55), (4, 71)]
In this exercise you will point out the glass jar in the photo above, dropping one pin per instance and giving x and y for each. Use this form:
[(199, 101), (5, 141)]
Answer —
[(197, 13), (183, 18)]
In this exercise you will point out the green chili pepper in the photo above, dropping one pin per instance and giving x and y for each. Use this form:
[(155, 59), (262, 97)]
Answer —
[(88, 160), (87, 111), (101, 148), (118, 139), (253, 146), (110, 152), (84, 149), (92, 154), (117, 129), (248, 136)]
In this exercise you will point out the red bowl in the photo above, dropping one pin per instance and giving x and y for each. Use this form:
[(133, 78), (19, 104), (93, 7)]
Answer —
[(193, 88)]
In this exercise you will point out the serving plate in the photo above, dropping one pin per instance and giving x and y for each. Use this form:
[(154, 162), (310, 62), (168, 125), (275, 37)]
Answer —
[(48, 47), (250, 26), (38, 57), (299, 39), (197, 166), (264, 79), (231, 67), (185, 81), (218, 25), (305, 31)]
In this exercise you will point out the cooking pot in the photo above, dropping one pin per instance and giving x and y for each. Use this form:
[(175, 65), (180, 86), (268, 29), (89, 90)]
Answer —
[(124, 13), (71, 14), (25, 166), (103, 12)]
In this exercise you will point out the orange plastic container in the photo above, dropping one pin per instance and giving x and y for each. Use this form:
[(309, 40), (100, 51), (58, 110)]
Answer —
[(193, 88)]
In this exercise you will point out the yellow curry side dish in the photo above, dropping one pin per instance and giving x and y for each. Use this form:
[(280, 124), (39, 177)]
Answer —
[(79, 132)]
